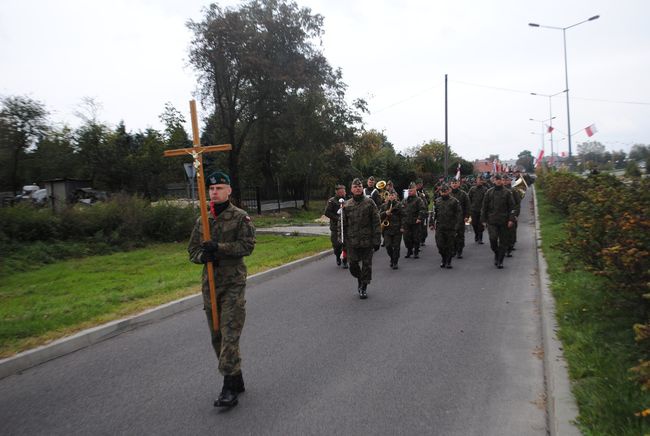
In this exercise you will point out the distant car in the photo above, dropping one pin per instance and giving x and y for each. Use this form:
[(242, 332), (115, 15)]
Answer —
[(33, 194), (89, 196)]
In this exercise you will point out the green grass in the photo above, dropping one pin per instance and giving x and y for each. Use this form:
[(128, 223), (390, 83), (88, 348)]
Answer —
[(291, 217), (60, 298), (596, 331)]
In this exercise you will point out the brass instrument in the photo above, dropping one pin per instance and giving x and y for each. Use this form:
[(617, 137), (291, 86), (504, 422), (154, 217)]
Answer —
[(383, 193), (386, 222), (520, 186)]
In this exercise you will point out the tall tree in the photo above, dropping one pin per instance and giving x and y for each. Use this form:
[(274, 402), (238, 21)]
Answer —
[(526, 159), (23, 122), (252, 59)]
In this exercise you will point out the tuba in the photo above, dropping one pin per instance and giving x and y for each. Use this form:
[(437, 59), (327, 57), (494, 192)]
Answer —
[(520, 186), (383, 193)]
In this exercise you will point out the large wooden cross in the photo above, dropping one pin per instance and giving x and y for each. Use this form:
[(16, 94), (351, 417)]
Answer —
[(197, 154)]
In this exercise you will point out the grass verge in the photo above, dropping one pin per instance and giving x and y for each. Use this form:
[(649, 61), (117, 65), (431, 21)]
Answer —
[(64, 297), (596, 331), (291, 217)]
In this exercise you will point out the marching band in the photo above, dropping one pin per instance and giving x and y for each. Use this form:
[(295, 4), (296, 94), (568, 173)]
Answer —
[(379, 213)]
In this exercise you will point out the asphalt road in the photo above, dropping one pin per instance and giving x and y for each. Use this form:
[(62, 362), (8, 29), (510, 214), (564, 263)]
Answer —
[(431, 351)]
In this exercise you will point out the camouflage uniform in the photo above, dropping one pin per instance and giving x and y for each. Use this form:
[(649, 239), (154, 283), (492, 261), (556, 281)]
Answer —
[(362, 234), (498, 209), (422, 193), (516, 196), (476, 194), (463, 199), (446, 214), (235, 236), (331, 212), (393, 232), (414, 209)]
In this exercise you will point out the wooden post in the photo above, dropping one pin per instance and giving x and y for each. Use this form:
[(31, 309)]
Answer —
[(197, 154)]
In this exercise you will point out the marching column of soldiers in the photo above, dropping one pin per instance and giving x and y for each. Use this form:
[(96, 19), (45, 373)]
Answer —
[(359, 223)]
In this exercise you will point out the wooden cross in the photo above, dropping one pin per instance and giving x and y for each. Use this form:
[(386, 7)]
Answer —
[(197, 154)]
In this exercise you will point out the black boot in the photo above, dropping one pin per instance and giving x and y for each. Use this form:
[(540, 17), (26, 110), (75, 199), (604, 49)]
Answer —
[(238, 383), (509, 253), (409, 252), (228, 395), (480, 238), (344, 261), (459, 254), (496, 259), (443, 262), (500, 262), (362, 291), (449, 262), (416, 253), (338, 260)]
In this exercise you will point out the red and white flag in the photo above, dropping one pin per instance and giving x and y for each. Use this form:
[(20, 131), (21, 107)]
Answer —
[(539, 158), (591, 130), (549, 129)]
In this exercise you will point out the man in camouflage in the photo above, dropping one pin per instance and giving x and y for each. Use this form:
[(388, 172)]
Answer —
[(233, 237), (476, 194), (362, 235), (446, 214), (516, 196), (422, 193), (391, 213), (463, 199), (413, 215), (498, 215), (333, 212)]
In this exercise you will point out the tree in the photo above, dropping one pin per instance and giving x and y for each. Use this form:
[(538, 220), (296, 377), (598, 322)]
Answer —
[(525, 159), (592, 154), (23, 122), (250, 61), (639, 152)]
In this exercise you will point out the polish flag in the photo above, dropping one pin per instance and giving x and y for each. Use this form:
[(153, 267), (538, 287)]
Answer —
[(539, 157), (591, 130), (549, 129)]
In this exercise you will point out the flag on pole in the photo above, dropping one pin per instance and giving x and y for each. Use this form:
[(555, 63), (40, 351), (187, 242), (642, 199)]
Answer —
[(458, 172), (591, 130), (549, 129), (539, 158)]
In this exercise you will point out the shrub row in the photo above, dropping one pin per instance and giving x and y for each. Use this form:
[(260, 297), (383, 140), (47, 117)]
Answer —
[(123, 221), (608, 227)]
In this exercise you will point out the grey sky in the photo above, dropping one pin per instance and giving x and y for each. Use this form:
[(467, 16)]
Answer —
[(131, 56)]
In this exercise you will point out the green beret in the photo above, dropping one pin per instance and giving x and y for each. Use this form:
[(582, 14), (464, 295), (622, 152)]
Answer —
[(218, 178)]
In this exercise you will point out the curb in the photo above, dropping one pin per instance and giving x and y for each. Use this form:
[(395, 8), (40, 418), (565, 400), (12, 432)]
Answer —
[(561, 407), (61, 347)]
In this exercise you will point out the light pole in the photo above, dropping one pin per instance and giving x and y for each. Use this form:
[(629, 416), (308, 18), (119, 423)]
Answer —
[(566, 71), (550, 112), (542, 122)]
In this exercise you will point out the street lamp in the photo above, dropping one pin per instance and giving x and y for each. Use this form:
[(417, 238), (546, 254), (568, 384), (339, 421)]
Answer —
[(550, 112), (542, 122), (566, 71)]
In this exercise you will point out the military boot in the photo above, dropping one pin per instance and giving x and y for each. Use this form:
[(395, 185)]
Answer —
[(338, 260), (395, 259), (480, 238), (362, 291), (238, 383), (496, 259), (416, 253), (459, 254), (500, 261), (409, 252), (449, 262), (228, 395)]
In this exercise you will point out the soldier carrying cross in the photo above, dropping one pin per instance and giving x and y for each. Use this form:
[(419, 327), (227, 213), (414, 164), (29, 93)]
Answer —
[(220, 241)]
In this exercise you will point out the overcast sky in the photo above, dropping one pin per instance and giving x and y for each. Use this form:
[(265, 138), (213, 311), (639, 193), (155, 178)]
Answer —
[(131, 56)]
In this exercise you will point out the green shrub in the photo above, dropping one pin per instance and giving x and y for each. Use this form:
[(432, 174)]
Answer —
[(168, 223), (27, 223)]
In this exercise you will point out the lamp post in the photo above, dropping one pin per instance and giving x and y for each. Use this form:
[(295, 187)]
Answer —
[(566, 71), (550, 112)]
